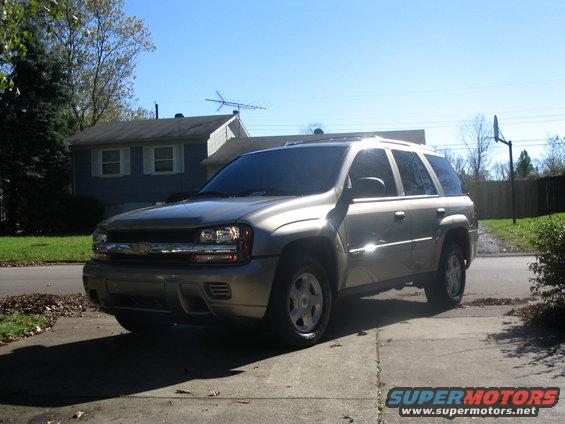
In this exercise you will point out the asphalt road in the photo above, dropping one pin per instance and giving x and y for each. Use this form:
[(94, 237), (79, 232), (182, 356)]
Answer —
[(487, 277)]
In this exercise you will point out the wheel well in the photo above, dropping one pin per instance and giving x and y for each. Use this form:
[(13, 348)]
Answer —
[(321, 248), (461, 237)]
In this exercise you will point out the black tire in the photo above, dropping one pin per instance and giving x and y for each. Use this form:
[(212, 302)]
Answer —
[(143, 322), (438, 291), (278, 315)]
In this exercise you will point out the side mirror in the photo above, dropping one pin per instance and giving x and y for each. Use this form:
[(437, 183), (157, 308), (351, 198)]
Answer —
[(368, 187)]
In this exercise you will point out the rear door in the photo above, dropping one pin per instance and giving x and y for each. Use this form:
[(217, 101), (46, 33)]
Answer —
[(425, 209), (377, 228)]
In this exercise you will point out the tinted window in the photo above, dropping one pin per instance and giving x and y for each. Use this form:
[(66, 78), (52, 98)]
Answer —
[(409, 173), (424, 175), (373, 163), (446, 175), (293, 171)]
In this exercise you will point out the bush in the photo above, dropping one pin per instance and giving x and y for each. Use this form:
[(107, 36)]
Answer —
[(549, 243), (81, 215)]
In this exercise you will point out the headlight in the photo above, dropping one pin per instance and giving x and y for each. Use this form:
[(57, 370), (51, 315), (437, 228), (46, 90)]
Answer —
[(239, 236), (229, 235), (99, 238)]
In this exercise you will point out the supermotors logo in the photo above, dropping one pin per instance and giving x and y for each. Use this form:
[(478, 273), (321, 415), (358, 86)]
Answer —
[(451, 402)]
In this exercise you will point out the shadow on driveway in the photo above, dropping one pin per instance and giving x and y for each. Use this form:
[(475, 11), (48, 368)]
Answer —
[(127, 364), (542, 350)]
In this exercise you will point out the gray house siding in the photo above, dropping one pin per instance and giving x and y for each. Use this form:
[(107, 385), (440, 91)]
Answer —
[(136, 190)]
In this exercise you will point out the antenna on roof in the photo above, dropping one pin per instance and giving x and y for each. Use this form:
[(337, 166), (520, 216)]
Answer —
[(238, 105), (223, 102)]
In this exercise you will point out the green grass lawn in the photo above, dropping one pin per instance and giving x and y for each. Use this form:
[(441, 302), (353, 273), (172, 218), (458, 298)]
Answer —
[(45, 248), (516, 235), (14, 326)]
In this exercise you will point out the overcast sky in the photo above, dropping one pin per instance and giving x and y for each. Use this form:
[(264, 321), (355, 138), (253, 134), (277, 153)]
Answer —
[(362, 65)]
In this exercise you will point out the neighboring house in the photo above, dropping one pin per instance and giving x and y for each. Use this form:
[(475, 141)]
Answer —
[(129, 165), (237, 147)]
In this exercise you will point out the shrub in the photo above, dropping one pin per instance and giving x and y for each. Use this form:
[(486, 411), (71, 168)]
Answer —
[(549, 244), (81, 214)]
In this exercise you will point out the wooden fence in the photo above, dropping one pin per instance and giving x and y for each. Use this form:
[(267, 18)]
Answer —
[(533, 197)]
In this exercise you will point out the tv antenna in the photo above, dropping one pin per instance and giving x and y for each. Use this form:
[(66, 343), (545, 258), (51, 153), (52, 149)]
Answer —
[(238, 105)]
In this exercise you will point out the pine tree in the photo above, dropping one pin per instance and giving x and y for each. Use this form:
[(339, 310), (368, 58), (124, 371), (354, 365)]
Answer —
[(35, 161), (524, 166)]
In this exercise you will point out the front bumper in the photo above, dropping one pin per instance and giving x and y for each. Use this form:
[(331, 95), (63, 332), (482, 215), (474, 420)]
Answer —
[(183, 292)]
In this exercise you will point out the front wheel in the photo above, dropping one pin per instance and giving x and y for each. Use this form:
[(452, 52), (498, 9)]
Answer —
[(143, 322), (301, 300), (447, 289)]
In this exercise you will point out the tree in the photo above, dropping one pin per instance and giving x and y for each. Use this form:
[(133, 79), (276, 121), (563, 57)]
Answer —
[(524, 166), (553, 163), (13, 15), (34, 176), (476, 135), (100, 47), (501, 171), (313, 128), (457, 162)]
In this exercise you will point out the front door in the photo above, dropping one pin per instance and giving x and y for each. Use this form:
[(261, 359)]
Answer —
[(377, 224)]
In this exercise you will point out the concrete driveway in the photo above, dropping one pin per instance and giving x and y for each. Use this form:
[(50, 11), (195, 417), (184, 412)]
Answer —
[(90, 364)]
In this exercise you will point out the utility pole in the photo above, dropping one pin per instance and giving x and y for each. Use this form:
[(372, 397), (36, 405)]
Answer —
[(499, 137)]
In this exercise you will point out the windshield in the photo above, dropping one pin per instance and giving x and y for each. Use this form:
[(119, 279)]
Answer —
[(288, 172)]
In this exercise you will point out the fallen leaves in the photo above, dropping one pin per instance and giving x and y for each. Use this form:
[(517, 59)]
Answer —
[(213, 393), (362, 333), (336, 344), (52, 305), (183, 392), (78, 415), (245, 402)]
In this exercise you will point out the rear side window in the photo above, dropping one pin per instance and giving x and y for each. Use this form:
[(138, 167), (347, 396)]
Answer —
[(446, 175), (426, 179), (373, 163), (409, 173)]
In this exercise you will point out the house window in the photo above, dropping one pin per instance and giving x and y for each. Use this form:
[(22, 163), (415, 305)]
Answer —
[(110, 161), (164, 159)]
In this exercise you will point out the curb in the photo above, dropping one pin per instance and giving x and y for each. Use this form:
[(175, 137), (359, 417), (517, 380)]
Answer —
[(509, 254)]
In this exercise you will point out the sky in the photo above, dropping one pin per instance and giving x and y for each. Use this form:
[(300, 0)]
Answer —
[(362, 65)]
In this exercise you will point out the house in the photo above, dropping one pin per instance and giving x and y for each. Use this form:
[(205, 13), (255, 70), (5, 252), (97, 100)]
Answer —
[(129, 165), (237, 147)]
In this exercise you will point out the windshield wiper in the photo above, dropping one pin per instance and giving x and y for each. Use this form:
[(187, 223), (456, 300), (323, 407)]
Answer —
[(208, 194), (264, 191)]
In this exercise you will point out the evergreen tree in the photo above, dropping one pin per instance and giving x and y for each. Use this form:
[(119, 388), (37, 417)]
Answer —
[(524, 166), (35, 161)]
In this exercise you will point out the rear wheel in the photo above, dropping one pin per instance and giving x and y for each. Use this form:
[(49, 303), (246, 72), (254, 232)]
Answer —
[(447, 289), (143, 322), (300, 305)]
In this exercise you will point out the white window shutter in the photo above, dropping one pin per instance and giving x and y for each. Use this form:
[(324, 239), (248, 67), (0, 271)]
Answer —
[(178, 158), (125, 168), (148, 161), (96, 162)]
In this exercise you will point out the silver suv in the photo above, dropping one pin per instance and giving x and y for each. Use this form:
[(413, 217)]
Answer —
[(279, 235)]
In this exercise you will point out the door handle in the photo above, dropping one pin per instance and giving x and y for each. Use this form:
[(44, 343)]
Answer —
[(440, 211), (400, 215)]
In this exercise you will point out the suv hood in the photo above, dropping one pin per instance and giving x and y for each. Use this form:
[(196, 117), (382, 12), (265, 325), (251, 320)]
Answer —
[(192, 213)]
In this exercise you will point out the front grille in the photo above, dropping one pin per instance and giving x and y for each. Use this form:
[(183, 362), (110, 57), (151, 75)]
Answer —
[(218, 290), (151, 236)]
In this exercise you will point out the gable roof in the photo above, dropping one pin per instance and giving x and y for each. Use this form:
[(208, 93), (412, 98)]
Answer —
[(238, 146), (150, 129)]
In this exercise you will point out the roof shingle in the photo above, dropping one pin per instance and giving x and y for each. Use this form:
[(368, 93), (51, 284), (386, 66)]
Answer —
[(149, 129)]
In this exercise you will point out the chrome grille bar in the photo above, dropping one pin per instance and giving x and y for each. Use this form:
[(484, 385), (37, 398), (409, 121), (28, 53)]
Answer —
[(163, 248)]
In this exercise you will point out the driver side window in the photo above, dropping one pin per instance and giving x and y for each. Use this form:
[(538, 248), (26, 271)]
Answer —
[(371, 163)]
